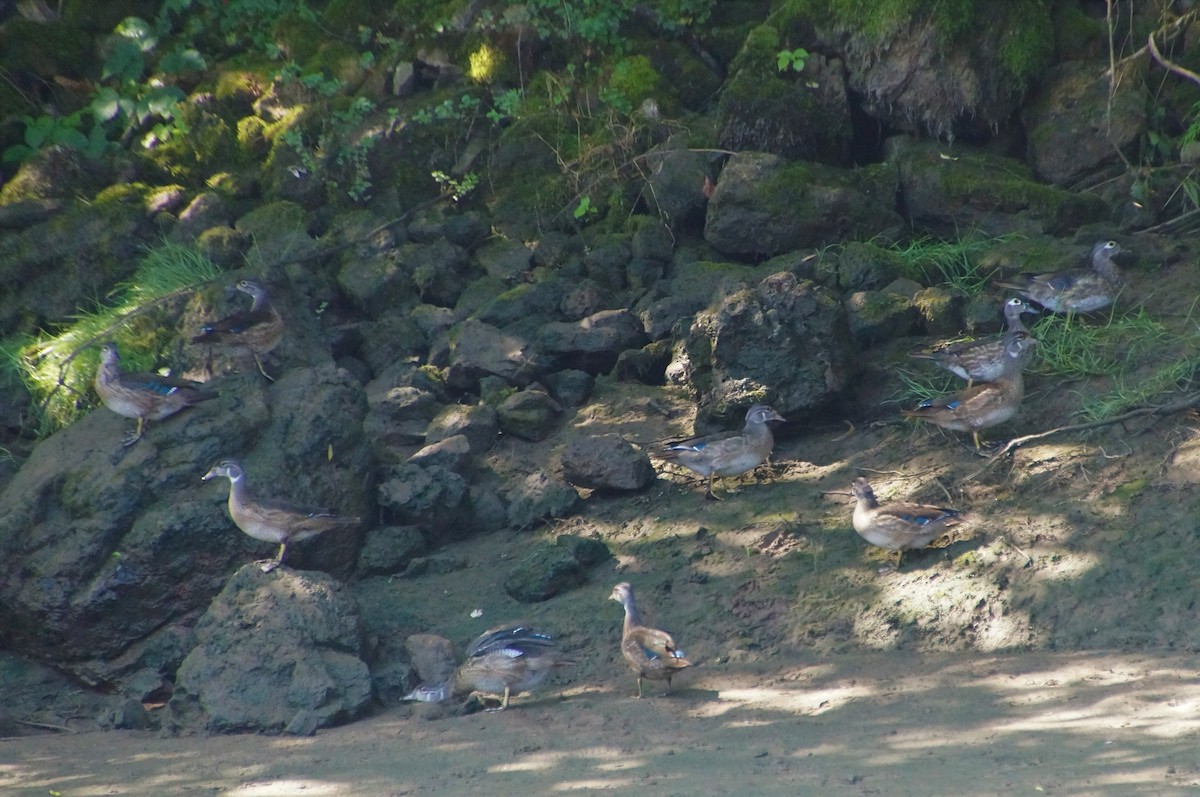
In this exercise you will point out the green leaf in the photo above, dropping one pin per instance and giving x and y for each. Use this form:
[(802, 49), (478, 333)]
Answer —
[(137, 30), (183, 60), (125, 61)]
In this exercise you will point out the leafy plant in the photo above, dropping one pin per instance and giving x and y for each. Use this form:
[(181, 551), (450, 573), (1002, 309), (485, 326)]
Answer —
[(456, 188), (791, 59)]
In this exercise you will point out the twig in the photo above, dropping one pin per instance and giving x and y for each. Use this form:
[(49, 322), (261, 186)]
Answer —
[(1185, 403), (44, 725), (1168, 65)]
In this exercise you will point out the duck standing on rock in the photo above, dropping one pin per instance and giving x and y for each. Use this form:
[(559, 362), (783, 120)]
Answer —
[(901, 526), (1080, 290), (272, 520), (145, 396), (982, 359), (651, 654), (728, 454), (253, 332), (986, 404), (505, 661)]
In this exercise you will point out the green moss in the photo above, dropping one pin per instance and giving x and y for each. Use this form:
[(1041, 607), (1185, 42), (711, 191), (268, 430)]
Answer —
[(208, 145), (252, 138), (1028, 44), (635, 79)]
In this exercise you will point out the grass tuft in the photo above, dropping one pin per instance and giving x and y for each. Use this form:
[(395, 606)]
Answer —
[(58, 368)]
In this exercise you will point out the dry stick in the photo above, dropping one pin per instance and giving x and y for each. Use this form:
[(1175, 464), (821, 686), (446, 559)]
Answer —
[(1186, 403)]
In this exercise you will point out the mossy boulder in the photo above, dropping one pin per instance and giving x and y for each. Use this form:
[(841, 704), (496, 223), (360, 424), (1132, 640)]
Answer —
[(764, 205), (982, 191)]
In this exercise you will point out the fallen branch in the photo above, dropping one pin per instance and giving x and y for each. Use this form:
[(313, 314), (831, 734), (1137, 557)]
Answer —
[(1187, 402)]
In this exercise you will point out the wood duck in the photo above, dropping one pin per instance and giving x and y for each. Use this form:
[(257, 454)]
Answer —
[(147, 397), (1080, 290), (728, 454), (980, 360), (272, 520), (651, 654), (253, 332), (503, 661), (901, 526), (983, 405)]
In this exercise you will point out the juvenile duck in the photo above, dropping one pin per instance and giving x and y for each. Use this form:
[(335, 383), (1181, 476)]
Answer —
[(728, 454), (1080, 290), (986, 404), (253, 332), (504, 661), (650, 653), (147, 397), (272, 520), (982, 359), (901, 526)]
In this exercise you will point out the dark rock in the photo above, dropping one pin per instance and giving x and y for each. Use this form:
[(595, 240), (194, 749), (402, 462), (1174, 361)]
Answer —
[(553, 249), (305, 723), (653, 240), (398, 419), (548, 571), (979, 190), (505, 259), (764, 206), (1083, 121), (529, 415), (538, 498), (643, 273), (450, 453), (378, 281), (783, 341), (440, 270), (805, 116), (675, 177), (875, 316), (660, 316), (488, 512), (131, 715), (476, 349), (432, 498), (941, 310), (388, 550), (606, 462), (647, 365), (587, 551), (593, 344), (863, 266), (270, 646), (584, 298), (570, 387), (437, 564), (605, 262), (478, 423)]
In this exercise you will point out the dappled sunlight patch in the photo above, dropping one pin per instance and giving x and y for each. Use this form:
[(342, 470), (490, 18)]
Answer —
[(792, 701), (286, 788)]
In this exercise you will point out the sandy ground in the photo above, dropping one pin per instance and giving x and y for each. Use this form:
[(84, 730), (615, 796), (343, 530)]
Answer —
[(891, 724)]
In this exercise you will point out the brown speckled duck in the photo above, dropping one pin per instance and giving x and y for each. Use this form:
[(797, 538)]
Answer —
[(145, 396), (727, 454), (1079, 290), (901, 526), (651, 654), (982, 359), (502, 662), (986, 404), (253, 332), (273, 520)]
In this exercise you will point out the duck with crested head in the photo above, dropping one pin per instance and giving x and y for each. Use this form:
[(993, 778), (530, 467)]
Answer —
[(503, 661), (982, 359), (145, 396), (253, 332), (1080, 290), (901, 526), (983, 405), (650, 652), (727, 454), (273, 520)]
